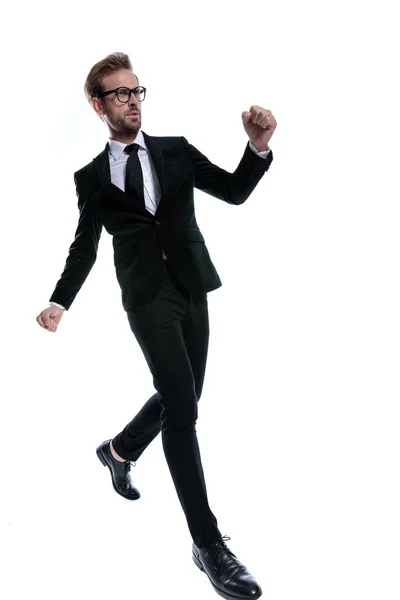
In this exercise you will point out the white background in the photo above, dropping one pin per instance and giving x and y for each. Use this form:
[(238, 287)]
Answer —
[(299, 418)]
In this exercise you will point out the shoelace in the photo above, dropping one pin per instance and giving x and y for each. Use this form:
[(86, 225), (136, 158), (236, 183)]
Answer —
[(220, 546), (128, 464)]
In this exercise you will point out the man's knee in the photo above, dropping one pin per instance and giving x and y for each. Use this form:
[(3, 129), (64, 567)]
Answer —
[(179, 404)]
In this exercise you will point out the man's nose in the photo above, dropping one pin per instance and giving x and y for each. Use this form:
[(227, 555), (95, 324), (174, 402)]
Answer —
[(133, 101)]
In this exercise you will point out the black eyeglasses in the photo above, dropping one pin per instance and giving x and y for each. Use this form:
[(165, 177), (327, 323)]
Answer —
[(124, 93)]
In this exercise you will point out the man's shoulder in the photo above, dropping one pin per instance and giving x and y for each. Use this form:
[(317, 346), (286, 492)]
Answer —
[(88, 169), (166, 138), (164, 141)]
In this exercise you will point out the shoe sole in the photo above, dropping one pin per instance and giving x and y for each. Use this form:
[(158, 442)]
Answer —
[(220, 592), (105, 463)]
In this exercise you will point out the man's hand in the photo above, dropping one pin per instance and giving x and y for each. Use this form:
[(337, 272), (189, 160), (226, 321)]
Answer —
[(50, 318), (259, 125)]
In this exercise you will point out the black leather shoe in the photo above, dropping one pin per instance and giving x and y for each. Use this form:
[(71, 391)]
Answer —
[(120, 472), (229, 578)]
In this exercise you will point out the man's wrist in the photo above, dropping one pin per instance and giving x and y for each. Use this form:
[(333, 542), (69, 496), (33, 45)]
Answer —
[(262, 154), (261, 149)]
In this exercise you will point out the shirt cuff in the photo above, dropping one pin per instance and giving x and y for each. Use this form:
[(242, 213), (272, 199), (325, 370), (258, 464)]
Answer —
[(262, 154), (59, 305)]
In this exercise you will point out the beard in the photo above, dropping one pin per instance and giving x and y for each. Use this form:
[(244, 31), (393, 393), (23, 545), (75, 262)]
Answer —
[(124, 123)]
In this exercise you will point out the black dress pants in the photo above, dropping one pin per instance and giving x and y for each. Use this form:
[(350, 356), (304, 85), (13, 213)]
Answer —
[(172, 331)]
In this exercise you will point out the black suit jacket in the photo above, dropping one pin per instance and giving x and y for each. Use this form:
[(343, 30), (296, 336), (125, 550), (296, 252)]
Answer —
[(139, 236)]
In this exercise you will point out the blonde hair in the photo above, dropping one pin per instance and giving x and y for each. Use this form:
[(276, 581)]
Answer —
[(109, 64)]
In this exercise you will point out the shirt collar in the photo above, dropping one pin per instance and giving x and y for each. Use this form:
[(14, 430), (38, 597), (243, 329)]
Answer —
[(116, 148)]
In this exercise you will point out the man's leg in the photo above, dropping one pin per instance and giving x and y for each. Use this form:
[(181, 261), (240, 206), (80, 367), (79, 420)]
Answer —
[(131, 442), (159, 329)]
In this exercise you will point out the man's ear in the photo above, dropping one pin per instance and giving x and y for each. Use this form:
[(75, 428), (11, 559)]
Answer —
[(97, 107)]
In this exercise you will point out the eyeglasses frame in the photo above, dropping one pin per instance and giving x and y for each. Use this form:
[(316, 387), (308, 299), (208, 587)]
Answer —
[(123, 87)]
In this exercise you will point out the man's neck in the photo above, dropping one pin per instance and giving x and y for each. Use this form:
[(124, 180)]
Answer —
[(124, 139)]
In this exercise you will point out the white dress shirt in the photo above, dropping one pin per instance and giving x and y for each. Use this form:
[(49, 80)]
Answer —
[(152, 191)]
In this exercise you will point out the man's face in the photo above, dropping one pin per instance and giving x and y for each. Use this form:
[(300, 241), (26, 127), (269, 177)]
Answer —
[(118, 116)]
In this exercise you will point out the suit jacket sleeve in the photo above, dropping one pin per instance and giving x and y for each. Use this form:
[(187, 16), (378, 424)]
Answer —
[(82, 252), (235, 187)]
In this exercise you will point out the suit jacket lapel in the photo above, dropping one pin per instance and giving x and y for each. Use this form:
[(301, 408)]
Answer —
[(156, 157), (102, 166)]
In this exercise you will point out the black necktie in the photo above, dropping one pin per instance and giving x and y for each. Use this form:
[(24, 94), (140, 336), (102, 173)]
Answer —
[(134, 174)]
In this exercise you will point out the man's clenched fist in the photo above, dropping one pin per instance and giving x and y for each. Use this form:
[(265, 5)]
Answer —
[(259, 124), (50, 318)]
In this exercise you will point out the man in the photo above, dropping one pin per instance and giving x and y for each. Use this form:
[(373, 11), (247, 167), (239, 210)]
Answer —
[(140, 188)]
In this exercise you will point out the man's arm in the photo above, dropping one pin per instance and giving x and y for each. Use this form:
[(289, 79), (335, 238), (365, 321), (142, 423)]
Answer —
[(82, 253), (235, 187)]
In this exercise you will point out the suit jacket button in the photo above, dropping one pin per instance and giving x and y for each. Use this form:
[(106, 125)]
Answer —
[(157, 222)]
